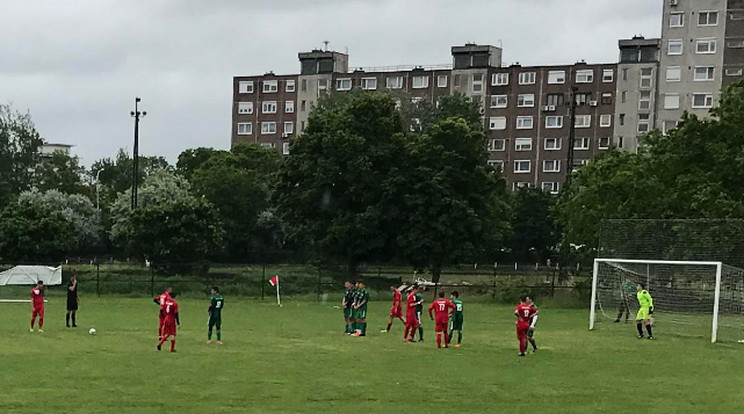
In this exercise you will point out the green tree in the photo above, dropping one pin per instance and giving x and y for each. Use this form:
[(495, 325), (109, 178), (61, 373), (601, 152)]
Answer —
[(19, 152), (337, 188), (30, 232), (115, 175), (62, 172), (193, 158), (455, 207), (534, 233)]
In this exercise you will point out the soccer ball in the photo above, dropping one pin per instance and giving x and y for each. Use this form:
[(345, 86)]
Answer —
[(92, 331)]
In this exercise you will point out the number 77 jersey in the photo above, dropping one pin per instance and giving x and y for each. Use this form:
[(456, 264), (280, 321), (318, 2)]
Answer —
[(442, 308)]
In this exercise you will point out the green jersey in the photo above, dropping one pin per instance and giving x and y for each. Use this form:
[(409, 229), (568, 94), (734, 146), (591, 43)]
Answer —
[(420, 306), (216, 303), (458, 307), (644, 299), (363, 298)]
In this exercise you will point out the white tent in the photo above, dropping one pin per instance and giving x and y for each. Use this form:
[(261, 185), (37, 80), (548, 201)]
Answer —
[(29, 275)]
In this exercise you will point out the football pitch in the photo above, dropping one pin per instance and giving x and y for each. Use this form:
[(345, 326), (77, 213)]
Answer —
[(295, 359)]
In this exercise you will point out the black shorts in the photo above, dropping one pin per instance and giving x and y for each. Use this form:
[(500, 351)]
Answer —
[(72, 305)]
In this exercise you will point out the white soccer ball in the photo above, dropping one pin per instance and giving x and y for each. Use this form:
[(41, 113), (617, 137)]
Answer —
[(92, 331)]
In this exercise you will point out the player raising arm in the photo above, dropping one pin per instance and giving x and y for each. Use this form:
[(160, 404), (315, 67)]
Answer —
[(397, 310), (216, 303), (169, 323), (443, 309), (524, 313), (645, 310), (37, 303)]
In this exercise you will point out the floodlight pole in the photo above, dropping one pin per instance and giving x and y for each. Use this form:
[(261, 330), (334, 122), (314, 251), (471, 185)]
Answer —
[(135, 156)]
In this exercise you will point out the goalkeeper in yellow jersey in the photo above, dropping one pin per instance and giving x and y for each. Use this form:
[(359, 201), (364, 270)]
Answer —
[(645, 311)]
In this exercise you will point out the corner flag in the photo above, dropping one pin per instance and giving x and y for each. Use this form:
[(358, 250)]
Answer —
[(274, 281)]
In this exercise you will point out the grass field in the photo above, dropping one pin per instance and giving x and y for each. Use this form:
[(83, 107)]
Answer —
[(295, 359)]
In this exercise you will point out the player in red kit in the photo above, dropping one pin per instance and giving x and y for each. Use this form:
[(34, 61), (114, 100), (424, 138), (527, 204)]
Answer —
[(37, 302), (160, 300), (397, 310), (412, 322), (443, 308), (524, 313), (169, 323)]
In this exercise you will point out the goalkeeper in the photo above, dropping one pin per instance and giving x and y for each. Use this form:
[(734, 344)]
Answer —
[(646, 309)]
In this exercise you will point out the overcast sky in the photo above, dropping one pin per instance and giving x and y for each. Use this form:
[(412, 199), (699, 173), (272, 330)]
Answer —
[(77, 65)]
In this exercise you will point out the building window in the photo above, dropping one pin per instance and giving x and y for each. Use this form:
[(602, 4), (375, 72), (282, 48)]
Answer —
[(303, 85), (245, 108), (705, 46), (581, 143), (527, 78), (498, 144), (245, 87), (554, 121), (303, 106), (526, 100), (415, 100), (702, 100), (270, 86), (420, 82), (524, 122), (522, 166), (604, 142), (500, 79), (607, 98), (644, 100), (671, 101), (497, 165), (579, 163), (669, 126), (267, 145), (477, 82), (289, 107), (647, 78), (734, 71), (245, 128), (415, 125), (556, 77), (343, 84), (288, 128), (704, 73), (497, 123), (585, 76), (624, 96), (456, 81), (289, 86), (583, 121), (268, 127), (625, 74), (369, 84), (521, 184), (285, 148), (268, 107), (551, 166), (551, 186), (583, 98), (499, 101), (674, 47), (608, 75), (643, 123), (735, 44), (555, 99), (673, 74), (621, 119), (442, 81), (708, 18), (523, 144), (394, 82), (552, 144), (605, 120), (322, 84), (677, 19)]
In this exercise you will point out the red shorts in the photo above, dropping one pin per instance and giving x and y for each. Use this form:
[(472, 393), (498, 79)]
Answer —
[(396, 312), (38, 311), (169, 328), (522, 331), (412, 321), (441, 326)]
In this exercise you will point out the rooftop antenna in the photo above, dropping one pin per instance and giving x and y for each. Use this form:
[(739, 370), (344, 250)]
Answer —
[(325, 43)]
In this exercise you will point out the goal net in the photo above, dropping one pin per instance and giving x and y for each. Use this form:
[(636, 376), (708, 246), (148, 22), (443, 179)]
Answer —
[(691, 298)]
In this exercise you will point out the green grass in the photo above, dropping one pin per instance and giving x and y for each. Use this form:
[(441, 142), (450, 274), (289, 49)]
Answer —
[(295, 359)]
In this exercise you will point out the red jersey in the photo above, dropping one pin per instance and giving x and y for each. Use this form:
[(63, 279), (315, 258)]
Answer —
[(524, 314), (37, 297), (162, 298), (170, 310), (411, 304), (396, 299), (442, 309)]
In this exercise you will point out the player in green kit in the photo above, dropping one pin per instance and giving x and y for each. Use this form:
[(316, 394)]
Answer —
[(531, 330), (216, 303), (348, 303), (645, 310), (456, 320), (361, 309)]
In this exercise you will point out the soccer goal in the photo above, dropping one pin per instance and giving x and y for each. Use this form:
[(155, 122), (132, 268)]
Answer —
[(691, 298)]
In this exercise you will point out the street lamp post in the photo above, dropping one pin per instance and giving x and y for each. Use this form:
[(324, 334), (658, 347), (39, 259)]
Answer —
[(135, 157)]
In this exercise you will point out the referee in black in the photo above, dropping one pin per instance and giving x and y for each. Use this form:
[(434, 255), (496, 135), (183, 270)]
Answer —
[(72, 300)]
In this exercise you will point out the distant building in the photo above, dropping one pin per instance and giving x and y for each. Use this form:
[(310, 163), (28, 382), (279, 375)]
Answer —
[(47, 149)]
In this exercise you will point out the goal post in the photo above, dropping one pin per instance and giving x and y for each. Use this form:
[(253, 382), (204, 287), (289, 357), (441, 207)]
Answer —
[(688, 295)]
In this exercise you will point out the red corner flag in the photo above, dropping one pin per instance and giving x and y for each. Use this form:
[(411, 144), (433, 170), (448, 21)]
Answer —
[(274, 280)]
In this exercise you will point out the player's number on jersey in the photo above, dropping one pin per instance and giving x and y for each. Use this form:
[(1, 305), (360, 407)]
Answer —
[(167, 309), (526, 313), (219, 304), (441, 307), (459, 307)]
